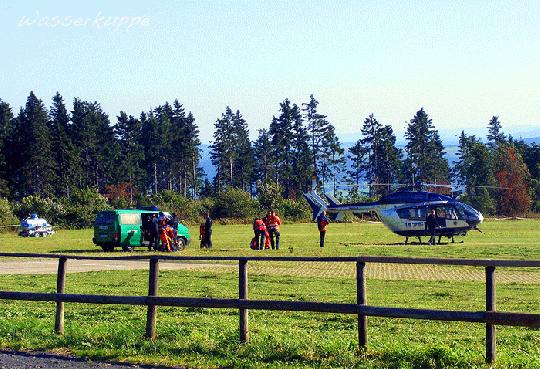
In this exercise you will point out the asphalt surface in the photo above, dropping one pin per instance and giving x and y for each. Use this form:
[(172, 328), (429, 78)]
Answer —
[(41, 360)]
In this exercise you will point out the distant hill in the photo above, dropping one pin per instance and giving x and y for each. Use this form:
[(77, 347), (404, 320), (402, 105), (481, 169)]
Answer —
[(528, 134)]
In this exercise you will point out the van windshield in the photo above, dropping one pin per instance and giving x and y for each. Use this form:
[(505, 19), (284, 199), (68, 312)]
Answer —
[(105, 217), (130, 219)]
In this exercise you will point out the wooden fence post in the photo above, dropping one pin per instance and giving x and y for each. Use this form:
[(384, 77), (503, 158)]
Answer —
[(490, 306), (243, 295), (152, 291), (60, 288), (361, 300)]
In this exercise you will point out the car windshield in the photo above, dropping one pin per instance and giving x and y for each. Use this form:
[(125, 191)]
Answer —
[(105, 217)]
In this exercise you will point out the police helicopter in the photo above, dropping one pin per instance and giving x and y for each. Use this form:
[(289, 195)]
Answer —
[(404, 212)]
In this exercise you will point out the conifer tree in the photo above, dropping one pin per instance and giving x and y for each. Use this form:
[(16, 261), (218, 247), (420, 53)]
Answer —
[(62, 146), (6, 128), (495, 136), (324, 146), (37, 169), (93, 137), (263, 158), (474, 170), (425, 160), (130, 154), (282, 132)]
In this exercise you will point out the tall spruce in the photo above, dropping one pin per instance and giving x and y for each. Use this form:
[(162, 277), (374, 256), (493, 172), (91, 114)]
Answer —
[(495, 135), (6, 131), (324, 146), (37, 169), (375, 156), (231, 151), (127, 131), (474, 170), (262, 153), (288, 148), (425, 160), (62, 146), (93, 137)]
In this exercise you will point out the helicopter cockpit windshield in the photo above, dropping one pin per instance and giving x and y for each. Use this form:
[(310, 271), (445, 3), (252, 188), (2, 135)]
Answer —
[(468, 212)]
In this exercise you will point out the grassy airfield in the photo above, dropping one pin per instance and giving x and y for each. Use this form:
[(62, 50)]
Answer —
[(208, 338)]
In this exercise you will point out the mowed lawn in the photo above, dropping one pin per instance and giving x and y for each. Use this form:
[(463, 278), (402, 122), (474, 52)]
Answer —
[(208, 338)]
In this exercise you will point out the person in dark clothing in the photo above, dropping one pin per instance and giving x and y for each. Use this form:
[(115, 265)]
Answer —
[(322, 222), (208, 230), (431, 225), (154, 232), (174, 225)]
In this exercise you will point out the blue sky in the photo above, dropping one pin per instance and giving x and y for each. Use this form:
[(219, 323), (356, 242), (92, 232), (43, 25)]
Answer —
[(462, 61)]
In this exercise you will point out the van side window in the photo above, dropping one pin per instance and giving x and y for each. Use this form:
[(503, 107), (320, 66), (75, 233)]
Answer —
[(130, 219)]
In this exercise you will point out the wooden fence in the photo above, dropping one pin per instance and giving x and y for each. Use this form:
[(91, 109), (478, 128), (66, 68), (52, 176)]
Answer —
[(490, 317)]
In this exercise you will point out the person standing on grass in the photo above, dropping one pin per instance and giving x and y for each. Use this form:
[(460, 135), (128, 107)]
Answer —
[(208, 230), (322, 222), (431, 225), (272, 222), (259, 228)]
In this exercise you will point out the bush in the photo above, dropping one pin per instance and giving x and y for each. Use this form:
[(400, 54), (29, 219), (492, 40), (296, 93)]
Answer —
[(48, 209), (6, 215), (295, 210), (82, 207), (235, 203), (172, 202)]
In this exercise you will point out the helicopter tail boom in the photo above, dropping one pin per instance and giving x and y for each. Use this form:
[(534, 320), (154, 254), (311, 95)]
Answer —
[(317, 204)]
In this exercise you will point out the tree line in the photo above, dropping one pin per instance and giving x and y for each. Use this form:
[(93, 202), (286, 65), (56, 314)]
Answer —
[(54, 153)]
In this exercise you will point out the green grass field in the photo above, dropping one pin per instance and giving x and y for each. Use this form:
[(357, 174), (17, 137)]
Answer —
[(208, 338)]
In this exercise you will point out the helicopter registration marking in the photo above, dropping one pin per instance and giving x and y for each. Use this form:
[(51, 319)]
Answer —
[(414, 224)]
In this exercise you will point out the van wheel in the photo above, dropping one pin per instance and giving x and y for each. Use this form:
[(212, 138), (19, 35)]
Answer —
[(128, 248), (181, 244)]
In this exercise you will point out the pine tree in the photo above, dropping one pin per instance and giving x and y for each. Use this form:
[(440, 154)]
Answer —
[(62, 146), (127, 132), (262, 147), (495, 136), (93, 137), (474, 170), (37, 158), (6, 127), (285, 146), (425, 160), (324, 145), (317, 127)]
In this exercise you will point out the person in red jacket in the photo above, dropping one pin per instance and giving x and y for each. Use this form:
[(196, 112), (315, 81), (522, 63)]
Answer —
[(272, 222), (322, 222), (260, 232)]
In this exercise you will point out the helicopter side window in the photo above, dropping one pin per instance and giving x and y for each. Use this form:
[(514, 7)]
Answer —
[(415, 213), (452, 213)]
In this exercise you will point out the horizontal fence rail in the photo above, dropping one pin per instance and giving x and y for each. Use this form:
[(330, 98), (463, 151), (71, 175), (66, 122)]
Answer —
[(490, 316)]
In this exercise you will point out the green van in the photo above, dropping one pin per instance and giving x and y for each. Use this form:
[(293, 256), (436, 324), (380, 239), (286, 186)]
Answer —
[(129, 229)]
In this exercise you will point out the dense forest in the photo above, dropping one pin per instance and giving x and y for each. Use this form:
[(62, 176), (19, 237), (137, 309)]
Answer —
[(79, 161)]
